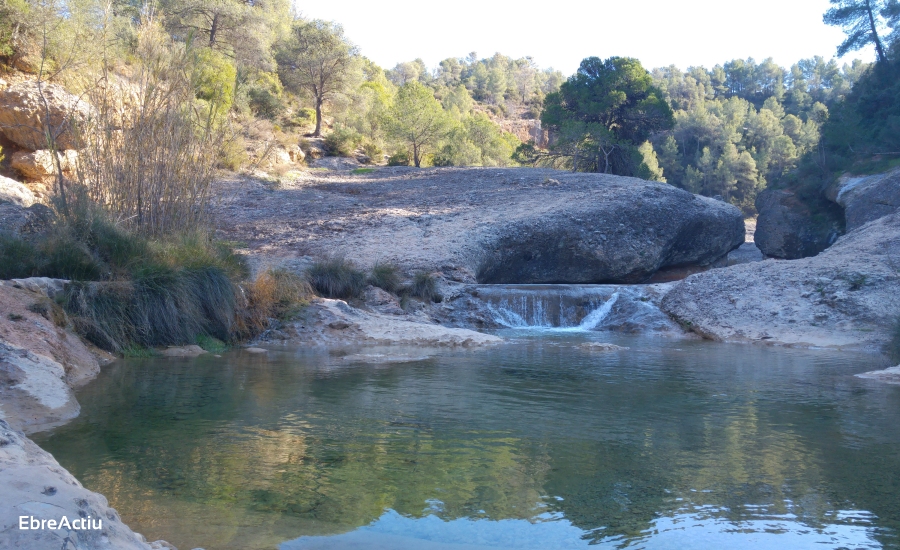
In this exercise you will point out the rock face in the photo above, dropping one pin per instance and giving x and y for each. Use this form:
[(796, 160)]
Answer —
[(501, 225), (16, 193), (600, 242), (25, 118), (24, 221), (786, 228), (38, 165), (526, 130), (40, 362), (330, 322), (36, 486), (847, 296), (868, 198)]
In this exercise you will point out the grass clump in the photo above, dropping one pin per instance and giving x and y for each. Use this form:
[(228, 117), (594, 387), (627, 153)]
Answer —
[(424, 286), (386, 276), (362, 171), (18, 258), (275, 294), (337, 278), (211, 344)]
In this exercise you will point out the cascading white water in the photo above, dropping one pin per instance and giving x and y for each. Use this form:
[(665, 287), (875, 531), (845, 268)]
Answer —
[(557, 307)]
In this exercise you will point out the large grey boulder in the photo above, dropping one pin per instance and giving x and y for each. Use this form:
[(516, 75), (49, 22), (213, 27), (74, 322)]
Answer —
[(508, 225), (867, 198), (787, 228), (848, 296), (16, 220), (30, 111), (624, 234)]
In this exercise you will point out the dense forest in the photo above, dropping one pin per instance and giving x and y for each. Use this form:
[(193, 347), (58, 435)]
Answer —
[(271, 75)]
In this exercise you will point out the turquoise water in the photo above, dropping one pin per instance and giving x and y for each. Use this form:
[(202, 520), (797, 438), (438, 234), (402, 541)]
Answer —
[(535, 444)]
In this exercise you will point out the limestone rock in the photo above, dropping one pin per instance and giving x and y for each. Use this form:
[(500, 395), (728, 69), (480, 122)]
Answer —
[(14, 219), (16, 193), (889, 376), (40, 164), (36, 486), (24, 117), (868, 198), (848, 296), (382, 301), (786, 228), (360, 327), (183, 351)]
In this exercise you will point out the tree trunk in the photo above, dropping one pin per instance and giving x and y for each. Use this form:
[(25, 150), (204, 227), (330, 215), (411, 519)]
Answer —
[(878, 47), (416, 160), (318, 132), (214, 28)]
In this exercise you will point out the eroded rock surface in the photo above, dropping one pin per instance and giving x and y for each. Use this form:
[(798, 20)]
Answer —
[(334, 322), (34, 485), (846, 297), (40, 362), (502, 225)]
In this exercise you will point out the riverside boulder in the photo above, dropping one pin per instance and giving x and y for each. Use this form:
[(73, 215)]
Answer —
[(786, 227), (30, 111), (846, 297), (867, 198), (509, 225)]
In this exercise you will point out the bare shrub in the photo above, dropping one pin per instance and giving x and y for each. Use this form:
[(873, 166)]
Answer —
[(151, 149)]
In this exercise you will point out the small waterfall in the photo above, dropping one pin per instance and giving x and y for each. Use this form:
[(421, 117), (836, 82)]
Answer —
[(597, 316), (549, 307)]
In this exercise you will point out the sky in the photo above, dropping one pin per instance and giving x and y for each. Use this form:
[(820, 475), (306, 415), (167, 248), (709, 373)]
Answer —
[(560, 34)]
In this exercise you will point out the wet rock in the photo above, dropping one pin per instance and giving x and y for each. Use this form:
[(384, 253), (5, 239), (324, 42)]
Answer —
[(786, 227), (183, 351), (888, 376)]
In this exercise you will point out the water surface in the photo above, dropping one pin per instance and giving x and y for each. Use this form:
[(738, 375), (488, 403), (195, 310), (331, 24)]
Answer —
[(536, 444)]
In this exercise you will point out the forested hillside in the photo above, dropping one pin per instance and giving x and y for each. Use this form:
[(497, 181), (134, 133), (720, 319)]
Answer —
[(275, 78)]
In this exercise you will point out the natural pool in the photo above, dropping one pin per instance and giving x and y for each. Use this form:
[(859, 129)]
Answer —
[(537, 444)]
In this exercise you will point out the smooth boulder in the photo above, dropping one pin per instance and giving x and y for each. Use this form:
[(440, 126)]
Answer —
[(30, 111), (867, 198), (625, 234), (16, 193), (788, 229)]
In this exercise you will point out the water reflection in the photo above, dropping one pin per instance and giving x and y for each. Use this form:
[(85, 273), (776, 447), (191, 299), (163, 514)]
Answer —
[(665, 446)]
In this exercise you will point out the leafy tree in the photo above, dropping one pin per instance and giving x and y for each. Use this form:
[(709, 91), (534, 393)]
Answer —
[(861, 20), (417, 120), (316, 58), (603, 113)]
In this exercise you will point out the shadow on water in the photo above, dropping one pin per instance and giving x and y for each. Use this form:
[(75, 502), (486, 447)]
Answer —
[(538, 444)]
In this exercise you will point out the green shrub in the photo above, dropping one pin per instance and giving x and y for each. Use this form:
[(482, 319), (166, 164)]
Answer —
[(424, 286), (385, 276), (18, 258), (337, 278), (399, 159), (211, 344), (342, 142)]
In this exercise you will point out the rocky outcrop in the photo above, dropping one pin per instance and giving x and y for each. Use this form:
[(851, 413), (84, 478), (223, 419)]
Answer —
[(334, 322), (29, 111), (21, 221), (867, 198), (37, 488), (788, 229), (503, 225), (16, 193), (38, 165), (846, 297), (526, 130), (40, 361), (600, 241), (888, 376)]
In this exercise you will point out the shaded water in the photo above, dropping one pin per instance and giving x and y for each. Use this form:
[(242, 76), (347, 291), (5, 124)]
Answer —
[(537, 444)]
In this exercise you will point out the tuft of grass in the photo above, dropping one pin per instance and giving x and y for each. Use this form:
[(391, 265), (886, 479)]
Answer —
[(424, 286), (362, 171), (15, 317), (211, 344), (138, 351), (275, 294), (386, 276), (18, 258), (50, 311), (337, 278)]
